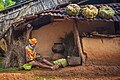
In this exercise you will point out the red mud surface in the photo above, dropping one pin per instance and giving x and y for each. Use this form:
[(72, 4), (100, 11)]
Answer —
[(68, 73)]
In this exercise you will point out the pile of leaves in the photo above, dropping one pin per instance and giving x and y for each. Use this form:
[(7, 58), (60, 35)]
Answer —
[(106, 12), (90, 11)]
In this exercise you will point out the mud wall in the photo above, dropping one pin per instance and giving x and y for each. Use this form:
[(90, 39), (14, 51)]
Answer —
[(97, 49), (49, 34), (102, 51)]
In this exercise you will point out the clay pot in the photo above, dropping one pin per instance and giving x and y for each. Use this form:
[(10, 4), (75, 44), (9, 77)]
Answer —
[(58, 48)]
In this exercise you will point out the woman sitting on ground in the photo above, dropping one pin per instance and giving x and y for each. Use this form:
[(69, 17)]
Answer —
[(31, 57)]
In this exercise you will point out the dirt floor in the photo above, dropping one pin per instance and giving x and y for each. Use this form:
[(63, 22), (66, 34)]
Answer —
[(68, 73)]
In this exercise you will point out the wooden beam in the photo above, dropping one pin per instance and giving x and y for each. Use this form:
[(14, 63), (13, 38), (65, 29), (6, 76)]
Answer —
[(79, 42)]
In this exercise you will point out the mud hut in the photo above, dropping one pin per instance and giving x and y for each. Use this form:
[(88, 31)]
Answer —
[(48, 26)]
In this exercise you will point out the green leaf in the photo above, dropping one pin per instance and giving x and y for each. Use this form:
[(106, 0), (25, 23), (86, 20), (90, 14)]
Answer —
[(9, 3), (27, 66), (1, 5)]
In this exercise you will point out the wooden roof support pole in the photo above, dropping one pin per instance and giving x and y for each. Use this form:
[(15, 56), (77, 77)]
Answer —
[(78, 42)]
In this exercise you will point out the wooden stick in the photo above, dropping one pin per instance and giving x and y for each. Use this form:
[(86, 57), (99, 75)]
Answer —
[(105, 35)]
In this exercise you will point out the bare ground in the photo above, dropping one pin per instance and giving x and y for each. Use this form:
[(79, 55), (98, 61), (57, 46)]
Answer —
[(68, 73)]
